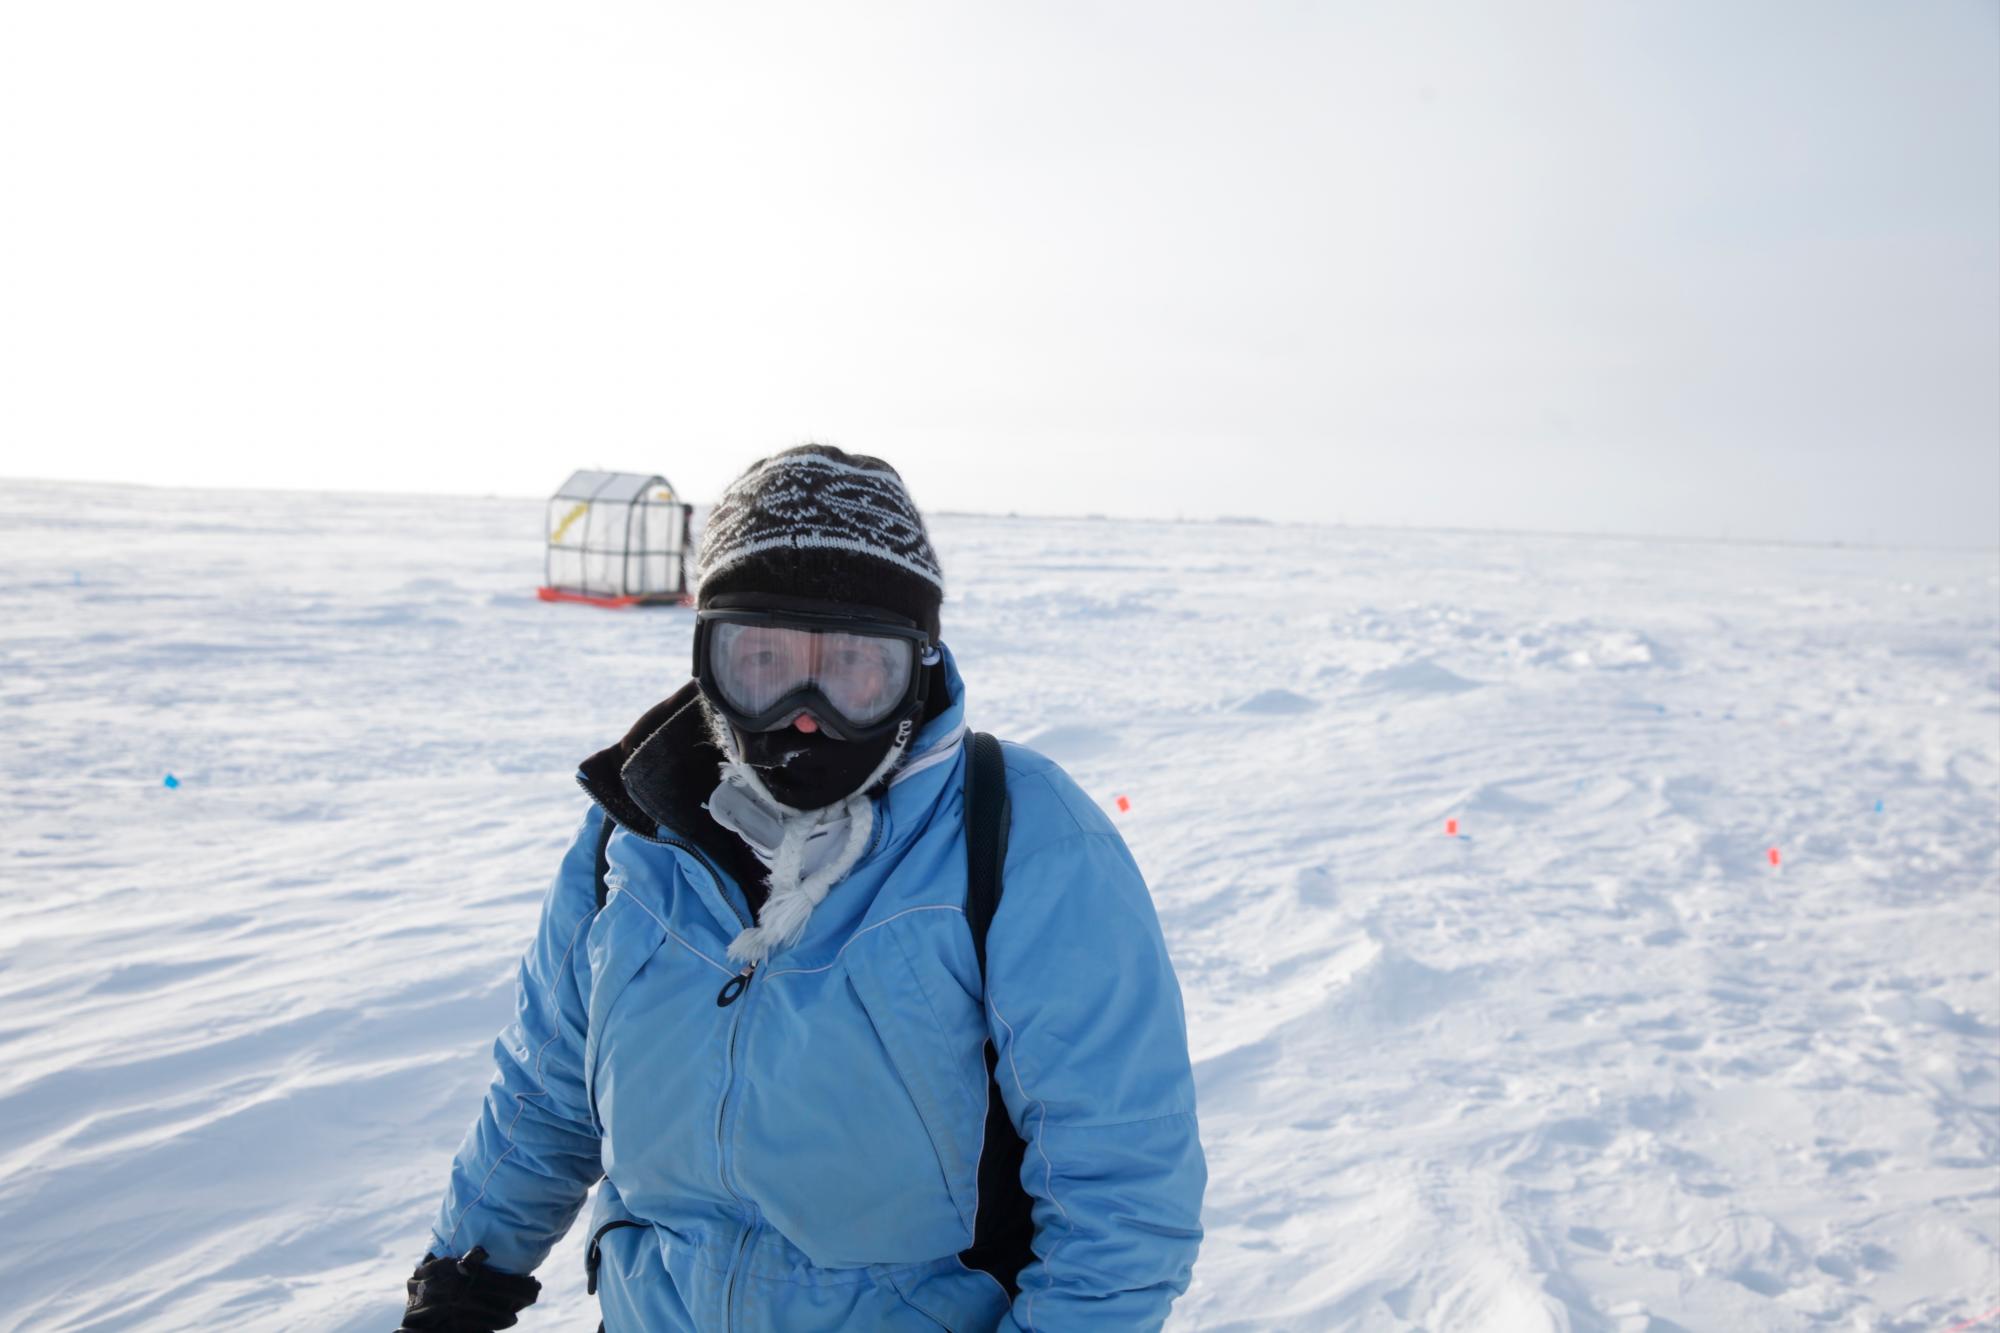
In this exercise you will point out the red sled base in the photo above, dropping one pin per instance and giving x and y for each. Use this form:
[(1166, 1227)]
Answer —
[(615, 603)]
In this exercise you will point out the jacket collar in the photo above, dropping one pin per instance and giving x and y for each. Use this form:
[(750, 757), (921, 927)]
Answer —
[(654, 780)]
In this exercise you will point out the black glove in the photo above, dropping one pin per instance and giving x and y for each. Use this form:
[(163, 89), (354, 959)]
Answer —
[(451, 1295)]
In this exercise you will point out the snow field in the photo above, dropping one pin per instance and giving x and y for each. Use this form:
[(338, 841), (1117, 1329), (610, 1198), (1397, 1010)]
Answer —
[(1593, 1065)]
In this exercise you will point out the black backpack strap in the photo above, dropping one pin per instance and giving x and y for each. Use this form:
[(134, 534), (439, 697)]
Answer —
[(986, 818), (1004, 1228), (604, 831)]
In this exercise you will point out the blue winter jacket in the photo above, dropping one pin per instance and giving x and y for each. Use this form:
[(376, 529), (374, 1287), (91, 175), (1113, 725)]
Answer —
[(807, 1156)]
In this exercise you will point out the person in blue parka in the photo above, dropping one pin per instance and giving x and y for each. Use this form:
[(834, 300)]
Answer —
[(774, 1044)]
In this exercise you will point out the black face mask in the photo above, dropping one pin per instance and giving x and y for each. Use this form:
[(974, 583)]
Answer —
[(809, 771)]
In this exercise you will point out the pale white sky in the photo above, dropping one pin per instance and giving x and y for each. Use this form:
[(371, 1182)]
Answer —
[(1694, 268)]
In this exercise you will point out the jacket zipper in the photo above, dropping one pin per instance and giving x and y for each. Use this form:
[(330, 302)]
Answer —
[(742, 982), (722, 1159), (735, 1269)]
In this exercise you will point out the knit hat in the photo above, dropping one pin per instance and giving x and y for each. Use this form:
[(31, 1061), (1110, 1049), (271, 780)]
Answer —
[(819, 523)]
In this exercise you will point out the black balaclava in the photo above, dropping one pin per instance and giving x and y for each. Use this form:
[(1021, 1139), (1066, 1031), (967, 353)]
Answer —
[(824, 525), (807, 772)]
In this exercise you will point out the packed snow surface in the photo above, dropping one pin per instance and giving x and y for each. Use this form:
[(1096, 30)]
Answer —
[(1594, 1063)]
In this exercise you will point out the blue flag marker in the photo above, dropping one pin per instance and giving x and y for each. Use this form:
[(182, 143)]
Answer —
[(1878, 805), (171, 781)]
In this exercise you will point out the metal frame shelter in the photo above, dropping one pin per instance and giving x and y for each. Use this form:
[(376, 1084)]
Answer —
[(617, 539)]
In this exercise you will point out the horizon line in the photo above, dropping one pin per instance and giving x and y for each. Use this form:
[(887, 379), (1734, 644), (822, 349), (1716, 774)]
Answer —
[(1237, 520)]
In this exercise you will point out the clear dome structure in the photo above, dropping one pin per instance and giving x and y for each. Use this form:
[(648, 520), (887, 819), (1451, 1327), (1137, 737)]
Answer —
[(617, 539)]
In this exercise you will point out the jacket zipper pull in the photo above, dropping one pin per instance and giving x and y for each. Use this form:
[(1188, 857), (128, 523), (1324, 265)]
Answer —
[(733, 989), (594, 1256)]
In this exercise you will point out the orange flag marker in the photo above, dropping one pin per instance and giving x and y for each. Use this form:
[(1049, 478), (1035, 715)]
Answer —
[(1451, 828), (1123, 805), (1774, 856)]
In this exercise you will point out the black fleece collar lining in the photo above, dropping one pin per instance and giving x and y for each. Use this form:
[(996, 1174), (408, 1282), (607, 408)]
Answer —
[(657, 779)]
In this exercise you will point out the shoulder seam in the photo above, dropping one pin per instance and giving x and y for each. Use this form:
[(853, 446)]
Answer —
[(1069, 841), (1061, 798)]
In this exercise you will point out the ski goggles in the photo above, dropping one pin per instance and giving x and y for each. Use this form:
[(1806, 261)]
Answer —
[(858, 672)]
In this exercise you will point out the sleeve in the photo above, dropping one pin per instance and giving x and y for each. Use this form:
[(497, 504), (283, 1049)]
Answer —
[(1086, 1015), (529, 1160)]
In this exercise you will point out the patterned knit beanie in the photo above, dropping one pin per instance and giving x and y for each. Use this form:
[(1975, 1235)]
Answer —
[(819, 523)]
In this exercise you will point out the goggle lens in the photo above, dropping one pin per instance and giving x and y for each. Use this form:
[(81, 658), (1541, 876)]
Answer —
[(864, 676)]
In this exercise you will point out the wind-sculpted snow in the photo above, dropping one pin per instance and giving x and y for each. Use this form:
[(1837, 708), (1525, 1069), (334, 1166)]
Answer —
[(1594, 1063), (1281, 703)]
